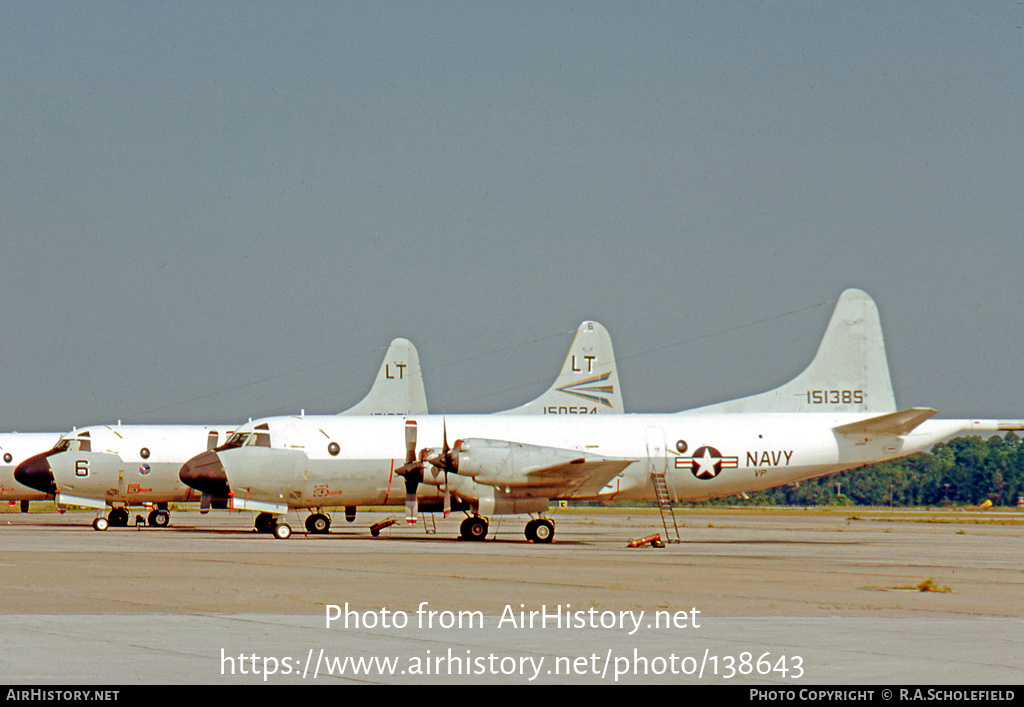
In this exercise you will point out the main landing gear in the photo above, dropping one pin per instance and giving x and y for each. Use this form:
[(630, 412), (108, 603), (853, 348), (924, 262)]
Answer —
[(318, 523), (474, 528), (538, 530)]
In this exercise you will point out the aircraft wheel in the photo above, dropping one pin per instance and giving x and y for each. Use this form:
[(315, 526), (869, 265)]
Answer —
[(531, 530), (265, 523), (100, 523), (474, 528), (544, 531), (159, 519), (118, 517), (318, 524), (282, 531)]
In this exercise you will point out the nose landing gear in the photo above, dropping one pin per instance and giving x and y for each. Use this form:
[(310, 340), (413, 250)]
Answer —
[(118, 518)]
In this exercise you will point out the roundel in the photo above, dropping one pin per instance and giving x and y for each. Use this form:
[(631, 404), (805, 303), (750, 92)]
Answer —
[(707, 462)]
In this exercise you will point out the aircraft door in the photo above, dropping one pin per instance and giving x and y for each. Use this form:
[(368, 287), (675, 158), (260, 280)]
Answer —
[(657, 459)]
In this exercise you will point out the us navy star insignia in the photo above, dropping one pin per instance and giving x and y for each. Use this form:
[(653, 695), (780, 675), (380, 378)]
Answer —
[(707, 462)]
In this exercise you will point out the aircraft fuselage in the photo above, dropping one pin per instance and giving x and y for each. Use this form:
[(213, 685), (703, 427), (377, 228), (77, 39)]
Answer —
[(326, 461)]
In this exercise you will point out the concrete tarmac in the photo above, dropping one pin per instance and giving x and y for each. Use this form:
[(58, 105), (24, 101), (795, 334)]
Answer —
[(771, 597)]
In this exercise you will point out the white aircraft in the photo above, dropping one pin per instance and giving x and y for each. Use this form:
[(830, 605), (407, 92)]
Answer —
[(121, 466), (838, 414), (587, 384), (16, 447)]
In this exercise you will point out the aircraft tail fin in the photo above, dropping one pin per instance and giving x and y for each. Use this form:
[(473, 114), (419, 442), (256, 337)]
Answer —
[(588, 381), (398, 388), (849, 373)]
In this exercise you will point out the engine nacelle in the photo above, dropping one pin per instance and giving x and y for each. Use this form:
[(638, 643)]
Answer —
[(496, 503)]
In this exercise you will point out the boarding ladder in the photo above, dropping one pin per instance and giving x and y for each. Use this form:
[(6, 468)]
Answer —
[(429, 525), (665, 506)]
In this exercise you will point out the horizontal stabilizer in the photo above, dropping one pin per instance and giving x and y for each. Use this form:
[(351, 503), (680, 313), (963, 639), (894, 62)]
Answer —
[(896, 423), (580, 477)]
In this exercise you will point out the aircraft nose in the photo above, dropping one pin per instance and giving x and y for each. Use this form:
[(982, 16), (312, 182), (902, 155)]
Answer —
[(205, 473), (35, 473)]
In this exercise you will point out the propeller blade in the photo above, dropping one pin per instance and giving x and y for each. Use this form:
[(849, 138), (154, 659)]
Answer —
[(411, 508), (204, 504), (410, 441), (412, 470), (446, 458)]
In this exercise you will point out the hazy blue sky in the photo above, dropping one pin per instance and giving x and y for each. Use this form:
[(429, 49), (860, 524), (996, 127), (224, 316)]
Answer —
[(216, 210)]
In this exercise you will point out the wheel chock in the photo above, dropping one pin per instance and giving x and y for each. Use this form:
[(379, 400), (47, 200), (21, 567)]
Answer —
[(652, 540)]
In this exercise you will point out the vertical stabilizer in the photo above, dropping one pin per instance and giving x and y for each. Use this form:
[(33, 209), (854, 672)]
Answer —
[(588, 381), (398, 388), (849, 373)]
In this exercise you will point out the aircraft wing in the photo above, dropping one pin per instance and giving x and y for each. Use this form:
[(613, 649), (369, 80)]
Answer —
[(896, 423), (553, 472), (579, 478)]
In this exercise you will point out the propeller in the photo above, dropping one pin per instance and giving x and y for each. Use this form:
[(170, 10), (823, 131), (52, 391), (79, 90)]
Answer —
[(446, 461), (412, 470)]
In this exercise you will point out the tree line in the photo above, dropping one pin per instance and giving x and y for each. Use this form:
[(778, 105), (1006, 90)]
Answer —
[(962, 471)]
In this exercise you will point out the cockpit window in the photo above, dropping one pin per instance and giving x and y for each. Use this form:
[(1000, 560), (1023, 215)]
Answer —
[(235, 440), (81, 444), (262, 436)]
